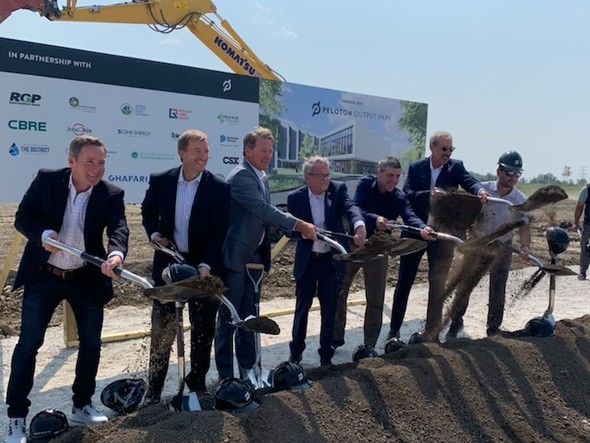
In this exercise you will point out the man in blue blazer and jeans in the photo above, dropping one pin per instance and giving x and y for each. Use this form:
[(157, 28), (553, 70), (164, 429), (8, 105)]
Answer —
[(324, 203), (438, 170), (248, 241)]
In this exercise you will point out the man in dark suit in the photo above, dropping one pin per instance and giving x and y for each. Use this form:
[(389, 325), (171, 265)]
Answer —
[(73, 205), (324, 203), (380, 201), (248, 241), (438, 170), (188, 206)]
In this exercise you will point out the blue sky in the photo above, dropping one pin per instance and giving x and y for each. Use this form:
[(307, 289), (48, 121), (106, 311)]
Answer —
[(498, 75)]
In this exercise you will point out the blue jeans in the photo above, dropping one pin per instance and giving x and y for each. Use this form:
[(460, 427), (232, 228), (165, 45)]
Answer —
[(40, 299)]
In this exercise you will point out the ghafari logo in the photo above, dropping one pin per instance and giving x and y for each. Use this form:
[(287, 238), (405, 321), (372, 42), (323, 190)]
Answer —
[(227, 85), (18, 98)]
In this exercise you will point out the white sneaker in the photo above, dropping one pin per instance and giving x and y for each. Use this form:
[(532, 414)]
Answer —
[(16, 432), (87, 415)]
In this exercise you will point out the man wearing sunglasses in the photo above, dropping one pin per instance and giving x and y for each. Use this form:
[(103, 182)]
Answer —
[(438, 170), (499, 254)]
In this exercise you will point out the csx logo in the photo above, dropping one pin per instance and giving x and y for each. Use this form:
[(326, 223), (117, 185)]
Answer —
[(24, 99), (23, 125), (230, 160)]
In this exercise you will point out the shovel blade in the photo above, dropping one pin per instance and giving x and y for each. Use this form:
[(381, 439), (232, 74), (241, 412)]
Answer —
[(258, 377), (188, 403), (264, 325), (541, 197)]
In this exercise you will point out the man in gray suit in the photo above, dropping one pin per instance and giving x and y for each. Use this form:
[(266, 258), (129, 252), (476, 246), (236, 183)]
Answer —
[(248, 241)]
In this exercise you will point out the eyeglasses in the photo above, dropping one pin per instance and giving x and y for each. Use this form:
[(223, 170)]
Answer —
[(447, 148), (511, 173), (320, 176)]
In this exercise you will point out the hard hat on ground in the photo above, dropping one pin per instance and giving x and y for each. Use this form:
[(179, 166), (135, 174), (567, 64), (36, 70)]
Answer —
[(48, 424), (123, 396), (290, 376), (234, 395), (364, 351)]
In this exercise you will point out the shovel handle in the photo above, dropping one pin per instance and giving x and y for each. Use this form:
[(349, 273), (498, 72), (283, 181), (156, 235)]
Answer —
[(98, 262), (332, 243), (437, 235), (537, 261)]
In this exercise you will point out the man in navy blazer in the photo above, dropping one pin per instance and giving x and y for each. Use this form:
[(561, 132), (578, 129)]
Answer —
[(75, 206), (248, 241), (324, 203), (188, 206), (380, 202), (438, 170)]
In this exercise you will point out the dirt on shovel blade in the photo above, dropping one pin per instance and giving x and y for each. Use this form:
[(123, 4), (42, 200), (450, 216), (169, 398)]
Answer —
[(453, 212), (264, 325), (210, 285), (541, 197)]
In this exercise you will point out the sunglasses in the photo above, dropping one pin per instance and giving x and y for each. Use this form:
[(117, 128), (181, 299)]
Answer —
[(512, 173), (447, 148)]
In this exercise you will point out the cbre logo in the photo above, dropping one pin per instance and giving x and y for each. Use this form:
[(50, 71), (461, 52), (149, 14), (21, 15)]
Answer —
[(18, 98)]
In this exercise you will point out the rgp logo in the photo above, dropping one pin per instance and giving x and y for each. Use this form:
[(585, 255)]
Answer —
[(17, 98), (230, 160)]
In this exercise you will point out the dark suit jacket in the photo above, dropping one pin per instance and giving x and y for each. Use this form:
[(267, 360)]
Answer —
[(208, 220), (251, 215), (43, 207), (417, 185), (390, 205), (337, 205)]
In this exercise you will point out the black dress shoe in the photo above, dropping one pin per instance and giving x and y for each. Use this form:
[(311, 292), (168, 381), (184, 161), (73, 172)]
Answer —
[(326, 363), (392, 334), (151, 398), (337, 343)]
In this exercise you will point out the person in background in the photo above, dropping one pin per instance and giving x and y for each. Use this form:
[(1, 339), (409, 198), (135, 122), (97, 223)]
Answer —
[(583, 207), (248, 241), (74, 206), (499, 257), (437, 170), (325, 203), (187, 206), (380, 202)]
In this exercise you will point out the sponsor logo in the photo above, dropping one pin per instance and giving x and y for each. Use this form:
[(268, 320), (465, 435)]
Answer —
[(79, 129), (317, 109), (137, 110), (226, 85), (27, 99), (128, 178), (74, 103), (26, 125), (152, 156), (28, 149), (174, 135), (227, 119), (179, 114), (230, 160), (134, 133), (228, 140)]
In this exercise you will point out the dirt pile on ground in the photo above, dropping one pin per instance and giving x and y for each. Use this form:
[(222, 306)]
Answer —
[(506, 388)]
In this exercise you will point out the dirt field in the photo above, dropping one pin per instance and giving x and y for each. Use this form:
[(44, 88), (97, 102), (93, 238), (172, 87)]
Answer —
[(506, 388)]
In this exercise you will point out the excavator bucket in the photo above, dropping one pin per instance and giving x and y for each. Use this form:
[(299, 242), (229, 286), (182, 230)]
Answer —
[(9, 6)]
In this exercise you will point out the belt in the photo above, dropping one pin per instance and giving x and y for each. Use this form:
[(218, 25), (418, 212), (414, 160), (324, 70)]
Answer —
[(319, 254), (64, 274)]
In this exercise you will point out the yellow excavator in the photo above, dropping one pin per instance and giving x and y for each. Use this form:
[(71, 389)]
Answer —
[(163, 16)]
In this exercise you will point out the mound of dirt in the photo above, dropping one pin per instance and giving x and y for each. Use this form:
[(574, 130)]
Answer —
[(505, 388)]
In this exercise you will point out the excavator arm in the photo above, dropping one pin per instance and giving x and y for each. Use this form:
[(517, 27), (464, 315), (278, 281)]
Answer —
[(163, 16)]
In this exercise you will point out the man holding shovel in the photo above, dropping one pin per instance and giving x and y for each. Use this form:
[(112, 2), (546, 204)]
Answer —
[(248, 241), (73, 205), (325, 203), (380, 202), (188, 206), (583, 207), (497, 257), (438, 170)]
